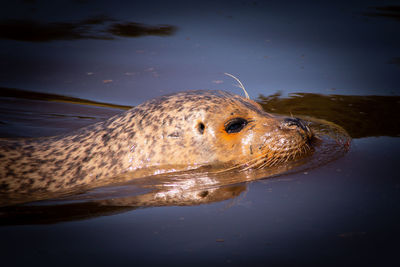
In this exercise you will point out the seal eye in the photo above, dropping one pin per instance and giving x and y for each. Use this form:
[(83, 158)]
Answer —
[(235, 125)]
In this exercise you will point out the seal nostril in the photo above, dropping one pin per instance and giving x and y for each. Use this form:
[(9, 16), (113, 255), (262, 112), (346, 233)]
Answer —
[(295, 122), (291, 121), (201, 127)]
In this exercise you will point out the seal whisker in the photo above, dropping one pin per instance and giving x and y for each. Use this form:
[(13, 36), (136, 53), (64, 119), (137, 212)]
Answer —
[(240, 84), (251, 163)]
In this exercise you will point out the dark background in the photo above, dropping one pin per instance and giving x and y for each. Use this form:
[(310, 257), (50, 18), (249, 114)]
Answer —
[(124, 52)]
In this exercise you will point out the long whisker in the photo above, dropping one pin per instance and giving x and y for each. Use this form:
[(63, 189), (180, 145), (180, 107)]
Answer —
[(270, 159), (250, 163), (240, 84)]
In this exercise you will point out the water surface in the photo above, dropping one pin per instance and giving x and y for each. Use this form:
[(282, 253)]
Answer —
[(337, 62), (338, 212)]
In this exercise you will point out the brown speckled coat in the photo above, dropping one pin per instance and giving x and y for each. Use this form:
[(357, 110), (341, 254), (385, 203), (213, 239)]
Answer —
[(178, 131)]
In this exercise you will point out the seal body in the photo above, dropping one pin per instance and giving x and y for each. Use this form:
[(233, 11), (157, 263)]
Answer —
[(180, 131)]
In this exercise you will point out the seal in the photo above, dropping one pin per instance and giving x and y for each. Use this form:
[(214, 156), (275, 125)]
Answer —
[(176, 132)]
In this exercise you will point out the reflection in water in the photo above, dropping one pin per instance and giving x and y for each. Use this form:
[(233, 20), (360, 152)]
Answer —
[(131, 29), (98, 27), (391, 12), (22, 94), (395, 61), (31, 114), (79, 210), (360, 116)]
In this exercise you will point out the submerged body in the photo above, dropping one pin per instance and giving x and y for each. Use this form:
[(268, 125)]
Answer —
[(175, 132)]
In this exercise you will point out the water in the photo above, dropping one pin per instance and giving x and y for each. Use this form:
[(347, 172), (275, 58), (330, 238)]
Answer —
[(271, 46), (342, 213)]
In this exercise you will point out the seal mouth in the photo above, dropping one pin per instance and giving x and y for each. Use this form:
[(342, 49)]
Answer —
[(292, 141), (275, 158)]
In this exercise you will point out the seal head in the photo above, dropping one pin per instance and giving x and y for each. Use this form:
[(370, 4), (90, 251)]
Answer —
[(215, 127)]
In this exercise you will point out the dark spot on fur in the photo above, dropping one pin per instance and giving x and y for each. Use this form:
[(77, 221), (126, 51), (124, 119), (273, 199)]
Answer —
[(76, 139), (83, 175), (174, 135), (88, 151), (57, 154), (102, 164), (78, 170), (105, 138), (10, 173), (4, 186), (64, 173)]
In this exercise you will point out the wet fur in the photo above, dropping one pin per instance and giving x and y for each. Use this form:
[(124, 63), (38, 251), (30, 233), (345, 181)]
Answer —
[(159, 133)]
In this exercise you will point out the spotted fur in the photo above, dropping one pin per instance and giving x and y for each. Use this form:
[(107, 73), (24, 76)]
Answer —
[(162, 133)]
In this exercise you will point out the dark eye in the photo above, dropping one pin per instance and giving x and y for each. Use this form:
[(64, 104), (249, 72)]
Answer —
[(235, 125)]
